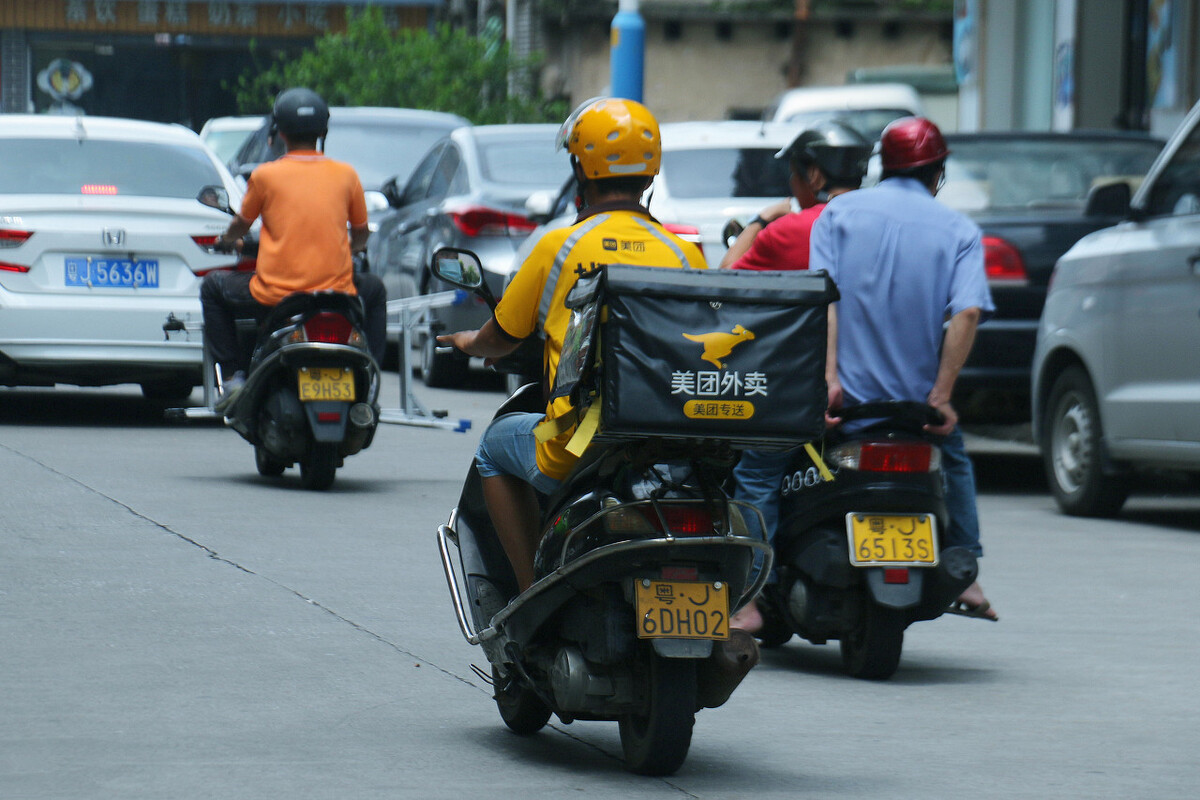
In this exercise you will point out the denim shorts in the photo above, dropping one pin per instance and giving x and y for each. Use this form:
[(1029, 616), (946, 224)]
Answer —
[(508, 447)]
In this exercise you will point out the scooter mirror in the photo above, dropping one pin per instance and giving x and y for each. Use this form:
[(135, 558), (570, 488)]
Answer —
[(460, 268), (216, 197), (731, 231)]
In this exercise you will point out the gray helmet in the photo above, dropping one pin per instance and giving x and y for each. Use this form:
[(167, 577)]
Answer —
[(300, 112), (838, 150)]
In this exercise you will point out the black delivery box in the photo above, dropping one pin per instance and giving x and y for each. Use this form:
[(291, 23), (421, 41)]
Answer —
[(700, 354)]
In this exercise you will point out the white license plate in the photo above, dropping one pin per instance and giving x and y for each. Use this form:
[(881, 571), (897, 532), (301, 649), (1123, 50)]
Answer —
[(120, 273)]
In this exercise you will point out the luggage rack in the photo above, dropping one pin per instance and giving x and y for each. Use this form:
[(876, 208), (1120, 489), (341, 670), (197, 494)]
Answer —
[(404, 316)]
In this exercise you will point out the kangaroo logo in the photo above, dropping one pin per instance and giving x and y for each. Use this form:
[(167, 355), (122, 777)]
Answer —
[(719, 344)]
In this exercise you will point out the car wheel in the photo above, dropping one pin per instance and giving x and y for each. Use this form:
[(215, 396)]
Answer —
[(1072, 450)]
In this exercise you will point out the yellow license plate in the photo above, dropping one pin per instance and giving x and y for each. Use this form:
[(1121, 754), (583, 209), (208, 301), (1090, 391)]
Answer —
[(682, 610), (326, 383), (892, 540)]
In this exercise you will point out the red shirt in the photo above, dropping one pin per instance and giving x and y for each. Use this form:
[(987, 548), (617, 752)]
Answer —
[(783, 244)]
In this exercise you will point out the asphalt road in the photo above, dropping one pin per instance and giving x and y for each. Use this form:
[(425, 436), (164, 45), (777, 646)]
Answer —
[(174, 626)]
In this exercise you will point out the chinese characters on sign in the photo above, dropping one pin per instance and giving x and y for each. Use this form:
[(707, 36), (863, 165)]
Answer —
[(713, 383), (218, 13)]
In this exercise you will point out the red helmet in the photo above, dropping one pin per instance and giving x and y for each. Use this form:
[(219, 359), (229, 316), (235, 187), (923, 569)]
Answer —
[(911, 142)]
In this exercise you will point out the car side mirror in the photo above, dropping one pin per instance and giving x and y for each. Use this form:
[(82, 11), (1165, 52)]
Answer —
[(244, 170), (376, 201), (539, 206), (1109, 200)]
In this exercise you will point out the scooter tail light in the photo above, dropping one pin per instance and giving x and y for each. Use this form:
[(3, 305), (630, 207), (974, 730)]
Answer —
[(873, 456), (328, 327), (680, 520)]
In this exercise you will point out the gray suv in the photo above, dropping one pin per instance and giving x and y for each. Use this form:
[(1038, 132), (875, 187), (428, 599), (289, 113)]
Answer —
[(1116, 385)]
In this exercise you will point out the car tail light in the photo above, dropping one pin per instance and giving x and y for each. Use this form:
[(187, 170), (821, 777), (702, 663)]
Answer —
[(689, 233), (7, 267), (328, 327), (479, 221), (874, 456), (1002, 261), (207, 243), (13, 238)]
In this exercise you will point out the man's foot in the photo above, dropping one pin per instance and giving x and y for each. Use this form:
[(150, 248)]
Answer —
[(749, 619), (972, 603), (229, 391)]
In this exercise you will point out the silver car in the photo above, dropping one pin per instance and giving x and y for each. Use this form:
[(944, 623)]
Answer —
[(1115, 380), (468, 191), (102, 237)]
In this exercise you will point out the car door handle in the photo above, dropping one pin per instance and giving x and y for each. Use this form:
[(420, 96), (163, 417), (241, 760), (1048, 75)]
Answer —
[(410, 226), (1194, 262)]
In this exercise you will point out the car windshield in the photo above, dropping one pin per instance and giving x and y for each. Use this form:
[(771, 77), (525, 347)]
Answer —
[(106, 167), (725, 172), (869, 122), (987, 174), (523, 162), (226, 143), (379, 150)]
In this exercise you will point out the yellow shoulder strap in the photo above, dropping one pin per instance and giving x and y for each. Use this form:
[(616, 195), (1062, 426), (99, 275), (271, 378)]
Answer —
[(586, 430), (818, 461)]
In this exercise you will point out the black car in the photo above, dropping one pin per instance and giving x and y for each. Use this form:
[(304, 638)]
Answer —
[(1029, 193)]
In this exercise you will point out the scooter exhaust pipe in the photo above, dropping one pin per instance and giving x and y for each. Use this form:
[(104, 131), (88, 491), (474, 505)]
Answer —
[(719, 674), (362, 415)]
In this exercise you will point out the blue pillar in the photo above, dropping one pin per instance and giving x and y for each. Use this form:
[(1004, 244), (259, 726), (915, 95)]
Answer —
[(628, 51)]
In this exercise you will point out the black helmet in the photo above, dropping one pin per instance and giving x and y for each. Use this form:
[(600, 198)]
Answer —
[(837, 149), (300, 112)]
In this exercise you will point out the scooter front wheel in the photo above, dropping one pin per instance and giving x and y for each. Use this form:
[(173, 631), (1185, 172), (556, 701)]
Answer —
[(656, 741), (872, 650), (318, 468), (521, 709), (268, 466)]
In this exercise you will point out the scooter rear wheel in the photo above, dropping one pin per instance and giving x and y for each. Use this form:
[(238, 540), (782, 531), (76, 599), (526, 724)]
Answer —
[(522, 711), (872, 650), (656, 742), (319, 467)]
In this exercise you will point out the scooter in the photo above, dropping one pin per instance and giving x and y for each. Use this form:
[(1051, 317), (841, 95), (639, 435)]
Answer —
[(858, 544), (311, 394), (312, 389), (643, 559)]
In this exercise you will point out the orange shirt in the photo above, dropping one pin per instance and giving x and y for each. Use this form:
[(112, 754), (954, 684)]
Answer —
[(306, 202)]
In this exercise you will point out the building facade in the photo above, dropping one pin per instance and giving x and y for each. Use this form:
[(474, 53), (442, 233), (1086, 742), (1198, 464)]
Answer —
[(164, 60)]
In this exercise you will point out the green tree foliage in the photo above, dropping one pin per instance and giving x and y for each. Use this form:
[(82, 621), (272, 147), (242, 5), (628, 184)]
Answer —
[(443, 70)]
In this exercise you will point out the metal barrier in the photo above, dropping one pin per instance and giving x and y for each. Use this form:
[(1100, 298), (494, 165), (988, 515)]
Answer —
[(410, 313)]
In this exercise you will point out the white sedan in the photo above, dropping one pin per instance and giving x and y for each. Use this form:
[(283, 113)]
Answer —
[(102, 239)]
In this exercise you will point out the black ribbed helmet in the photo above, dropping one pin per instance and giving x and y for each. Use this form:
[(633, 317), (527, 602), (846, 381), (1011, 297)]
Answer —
[(300, 112), (837, 149)]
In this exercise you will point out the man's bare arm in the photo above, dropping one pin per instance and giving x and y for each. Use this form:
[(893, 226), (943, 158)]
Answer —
[(956, 346), (487, 342)]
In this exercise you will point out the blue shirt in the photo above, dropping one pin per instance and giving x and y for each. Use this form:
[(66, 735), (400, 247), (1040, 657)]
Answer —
[(904, 263)]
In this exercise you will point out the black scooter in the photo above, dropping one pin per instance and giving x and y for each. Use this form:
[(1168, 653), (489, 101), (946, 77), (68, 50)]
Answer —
[(311, 393), (858, 544), (643, 559)]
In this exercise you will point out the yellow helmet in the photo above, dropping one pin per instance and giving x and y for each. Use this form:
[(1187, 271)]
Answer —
[(612, 138)]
